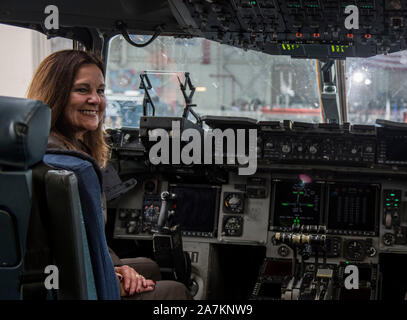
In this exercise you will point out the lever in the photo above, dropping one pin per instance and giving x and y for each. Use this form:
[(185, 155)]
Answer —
[(166, 197)]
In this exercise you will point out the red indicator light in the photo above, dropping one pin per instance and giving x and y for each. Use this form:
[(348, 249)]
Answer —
[(368, 36), (316, 35), (299, 35), (350, 35)]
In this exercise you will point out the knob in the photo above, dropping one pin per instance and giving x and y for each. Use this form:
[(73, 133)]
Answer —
[(269, 145), (388, 239), (306, 252), (286, 148), (369, 149), (122, 215), (131, 227), (300, 148), (371, 252), (283, 251), (313, 149)]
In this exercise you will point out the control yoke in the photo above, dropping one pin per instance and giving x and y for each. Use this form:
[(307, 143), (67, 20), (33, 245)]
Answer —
[(167, 199), (167, 243)]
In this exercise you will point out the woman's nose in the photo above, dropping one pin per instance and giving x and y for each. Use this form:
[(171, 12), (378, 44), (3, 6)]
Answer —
[(94, 97)]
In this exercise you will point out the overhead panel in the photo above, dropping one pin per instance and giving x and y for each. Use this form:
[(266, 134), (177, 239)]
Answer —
[(303, 28)]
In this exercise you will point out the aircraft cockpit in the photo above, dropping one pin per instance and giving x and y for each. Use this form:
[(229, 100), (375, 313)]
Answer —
[(272, 134)]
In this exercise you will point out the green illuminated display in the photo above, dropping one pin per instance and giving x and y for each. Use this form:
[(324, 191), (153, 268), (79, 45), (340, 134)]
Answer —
[(289, 47), (339, 48)]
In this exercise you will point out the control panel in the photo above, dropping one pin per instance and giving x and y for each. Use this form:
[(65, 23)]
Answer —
[(323, 143), (287, 142), (394, 219), (300, 28), (244, 210)]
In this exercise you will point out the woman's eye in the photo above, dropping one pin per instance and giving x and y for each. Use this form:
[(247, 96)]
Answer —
[(82, 90)]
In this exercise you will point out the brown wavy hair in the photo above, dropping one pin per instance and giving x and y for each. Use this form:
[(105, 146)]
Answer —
[(52, 84)]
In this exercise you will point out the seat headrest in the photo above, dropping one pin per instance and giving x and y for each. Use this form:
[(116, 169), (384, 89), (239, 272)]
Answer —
[(24, 131)]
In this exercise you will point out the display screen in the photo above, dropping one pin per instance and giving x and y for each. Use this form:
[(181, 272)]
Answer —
[(297, 202), (196, 208), (396, 149), (352, 206)]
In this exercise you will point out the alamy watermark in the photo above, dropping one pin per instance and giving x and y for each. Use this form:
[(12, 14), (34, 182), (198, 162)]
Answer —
[(51, 281), (52, 20), (352, 280), (352, 21), (191, 152)]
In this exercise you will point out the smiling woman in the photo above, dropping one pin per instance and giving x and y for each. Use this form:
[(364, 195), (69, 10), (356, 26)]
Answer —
[(71, 82)]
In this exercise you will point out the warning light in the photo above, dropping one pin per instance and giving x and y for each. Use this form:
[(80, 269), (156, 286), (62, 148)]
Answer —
[(368, 35), (350, 35), (298, 35), (316, 35)]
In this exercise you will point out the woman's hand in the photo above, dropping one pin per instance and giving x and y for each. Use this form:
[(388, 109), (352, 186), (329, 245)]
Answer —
[(133, 282)]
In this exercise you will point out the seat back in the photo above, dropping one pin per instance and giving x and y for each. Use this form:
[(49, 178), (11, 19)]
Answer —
[(90, 191), (24, 129), (68, 235), (41, 222)]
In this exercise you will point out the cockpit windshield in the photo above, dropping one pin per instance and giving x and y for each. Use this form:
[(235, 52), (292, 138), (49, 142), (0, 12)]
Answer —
[(376, 88), (229, 81)]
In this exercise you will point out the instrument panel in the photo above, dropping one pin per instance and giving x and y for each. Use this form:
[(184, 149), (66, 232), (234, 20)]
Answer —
[(325, 192)]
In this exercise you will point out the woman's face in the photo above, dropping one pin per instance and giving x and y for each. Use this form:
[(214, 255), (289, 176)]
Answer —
[(87, 101)]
